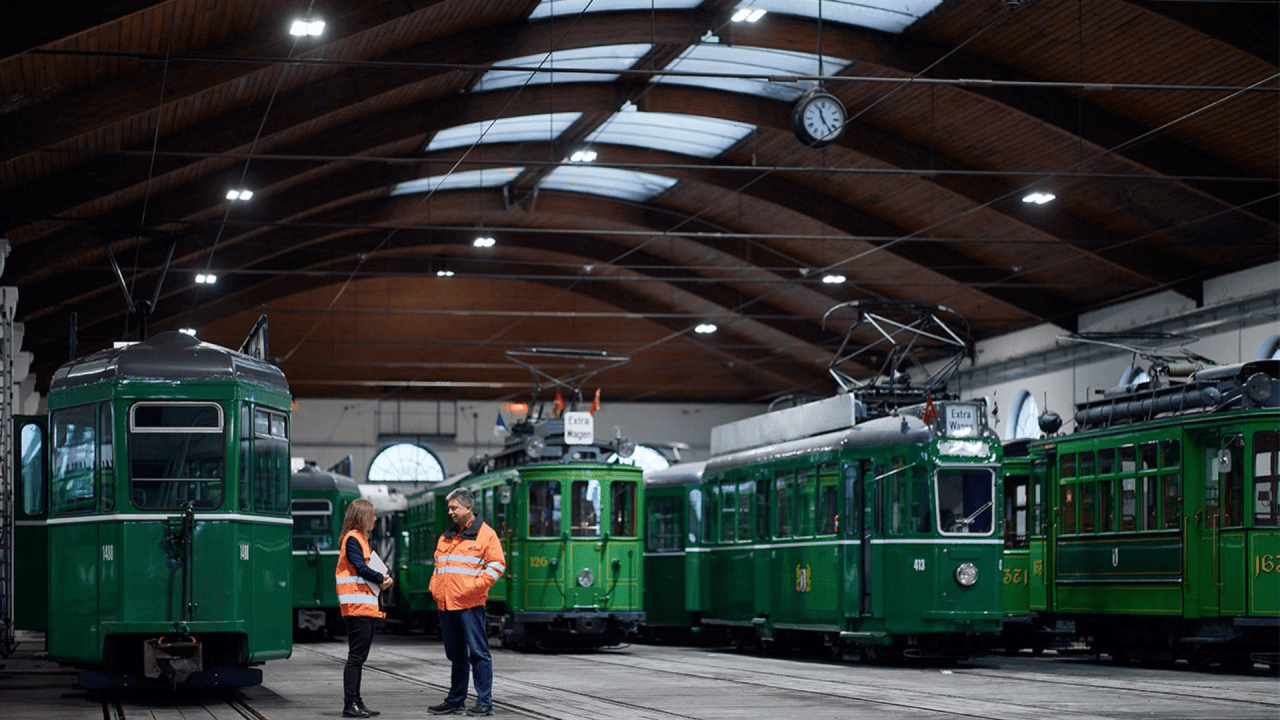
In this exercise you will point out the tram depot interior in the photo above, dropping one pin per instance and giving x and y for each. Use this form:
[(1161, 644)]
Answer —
[(424, 186)]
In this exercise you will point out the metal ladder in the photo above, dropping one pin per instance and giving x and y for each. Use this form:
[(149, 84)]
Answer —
[(8, 640)]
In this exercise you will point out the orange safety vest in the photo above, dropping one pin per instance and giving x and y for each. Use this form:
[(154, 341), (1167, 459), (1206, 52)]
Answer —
[(355, 597), (468, 563)]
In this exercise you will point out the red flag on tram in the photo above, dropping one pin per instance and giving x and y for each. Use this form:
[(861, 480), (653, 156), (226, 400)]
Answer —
[(595, 404), (930, 412), (559, 406)]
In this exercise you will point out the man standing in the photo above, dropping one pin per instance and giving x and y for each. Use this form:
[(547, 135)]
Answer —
[(469, 561)]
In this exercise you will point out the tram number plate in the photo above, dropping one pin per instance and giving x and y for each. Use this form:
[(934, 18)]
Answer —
[(918, 564)]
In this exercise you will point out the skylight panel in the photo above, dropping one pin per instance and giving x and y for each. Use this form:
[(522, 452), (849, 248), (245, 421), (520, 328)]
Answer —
[(694, 135), (888, 15), (600, 57), (567, 8), (485, 178), (719, 60), (526, 128), (609, 182)]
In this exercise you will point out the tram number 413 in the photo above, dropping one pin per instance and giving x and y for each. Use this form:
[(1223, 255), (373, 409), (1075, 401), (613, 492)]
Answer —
[(918, 564)]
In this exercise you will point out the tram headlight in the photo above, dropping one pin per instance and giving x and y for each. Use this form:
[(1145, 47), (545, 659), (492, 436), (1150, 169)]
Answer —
[(967, 574), (586, 578), (533, 447)]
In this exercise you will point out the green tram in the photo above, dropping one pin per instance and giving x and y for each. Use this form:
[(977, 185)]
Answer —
[(569, 521), (1157, 531), (809, 526), (163, 469), (319, 501)]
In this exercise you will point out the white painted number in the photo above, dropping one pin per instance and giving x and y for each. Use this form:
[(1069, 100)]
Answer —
[(918, 564), (108, 553), (244, 551)]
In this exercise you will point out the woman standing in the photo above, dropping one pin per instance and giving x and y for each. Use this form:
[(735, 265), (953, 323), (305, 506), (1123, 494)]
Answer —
[(358, 601)]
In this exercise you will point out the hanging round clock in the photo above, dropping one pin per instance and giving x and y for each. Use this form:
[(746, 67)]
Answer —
[(818, 118)]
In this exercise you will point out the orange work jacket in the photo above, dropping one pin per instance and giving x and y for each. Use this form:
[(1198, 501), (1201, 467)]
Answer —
[(355, 597), (468, 563)]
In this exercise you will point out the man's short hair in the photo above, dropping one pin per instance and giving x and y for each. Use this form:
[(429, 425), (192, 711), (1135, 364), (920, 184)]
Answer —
[(463, 496)]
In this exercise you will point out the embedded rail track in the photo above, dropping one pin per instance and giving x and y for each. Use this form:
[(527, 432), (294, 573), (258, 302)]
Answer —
[(649, 682), (206, 705)]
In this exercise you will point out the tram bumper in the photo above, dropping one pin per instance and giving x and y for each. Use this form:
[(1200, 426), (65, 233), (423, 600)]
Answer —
[(173, 660)]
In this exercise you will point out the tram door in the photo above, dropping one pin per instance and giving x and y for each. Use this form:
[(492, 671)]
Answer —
[(27, 583), (1221, 528)]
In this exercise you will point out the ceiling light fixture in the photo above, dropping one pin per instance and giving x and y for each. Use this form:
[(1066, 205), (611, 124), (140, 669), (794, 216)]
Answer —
[(705, 328), (188, 331), (583, 156), (484, 242), (444, 273), (206, 278), (240, 194), (1039, 198), (833, 279), (748, 14), (307, 27)]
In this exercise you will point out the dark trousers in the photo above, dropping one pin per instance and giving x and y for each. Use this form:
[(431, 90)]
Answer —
[(359, 638), (467, 647)]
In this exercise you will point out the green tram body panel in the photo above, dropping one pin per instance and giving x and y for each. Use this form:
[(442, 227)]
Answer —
[(118, 544), (1163, 534), (566, 581), (319, 501), (767, 568)]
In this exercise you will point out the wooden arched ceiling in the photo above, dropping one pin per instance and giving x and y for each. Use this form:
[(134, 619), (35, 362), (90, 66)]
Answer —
[(1157, 125)]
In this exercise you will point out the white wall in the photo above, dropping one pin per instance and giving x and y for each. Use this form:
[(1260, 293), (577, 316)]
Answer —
[(326, 431)]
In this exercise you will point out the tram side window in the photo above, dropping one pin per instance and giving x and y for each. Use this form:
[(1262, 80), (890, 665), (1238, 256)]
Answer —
[(1106, 461), (828, 500), (270, 462), (1067, 465), (75, 448), (853, 503), (1170, 504), (1106, 506), (1266, 478), (663, 532), (1088, 507), (106, 456), (763, 505), (1069, 509), (312, 524), (1128, 505), (726, 503), (177, 454), (806, 502), (1128, 464), (246, 447), (1086, 463), (746, 491), (695, 516), (32, 469), (622, 508), (544, 508), (1015, 511), (1150, 455), (1150, 502), (585, 520), (783, 486)]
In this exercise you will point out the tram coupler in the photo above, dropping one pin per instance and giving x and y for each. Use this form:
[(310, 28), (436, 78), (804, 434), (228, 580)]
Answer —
[(173, 660)]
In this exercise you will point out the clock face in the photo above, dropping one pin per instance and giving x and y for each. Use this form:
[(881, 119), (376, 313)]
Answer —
[(819, 120)]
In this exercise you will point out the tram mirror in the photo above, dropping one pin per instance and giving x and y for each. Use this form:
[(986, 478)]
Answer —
[(504, 494), (1224, 461)]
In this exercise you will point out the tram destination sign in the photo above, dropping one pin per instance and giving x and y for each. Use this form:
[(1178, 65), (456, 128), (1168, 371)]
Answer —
[(963, 419)]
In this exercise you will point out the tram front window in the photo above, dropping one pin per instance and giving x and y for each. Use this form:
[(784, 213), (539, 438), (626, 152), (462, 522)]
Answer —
[(177, 454), (965, 499)]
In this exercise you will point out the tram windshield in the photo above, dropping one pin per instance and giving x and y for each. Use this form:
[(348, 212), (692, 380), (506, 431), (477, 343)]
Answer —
[(312, 524), (965, 497), (177, 454)]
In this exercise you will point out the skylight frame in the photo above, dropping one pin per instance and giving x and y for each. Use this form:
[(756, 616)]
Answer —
[(693, 135), (616, 183), (544, 127), (719, 61), (459, 180), (620, 57)]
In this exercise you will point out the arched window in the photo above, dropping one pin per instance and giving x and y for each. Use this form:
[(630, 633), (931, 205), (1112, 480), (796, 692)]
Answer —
[(1270, 349), (1025, 420), (1133, 375), (406, 462)]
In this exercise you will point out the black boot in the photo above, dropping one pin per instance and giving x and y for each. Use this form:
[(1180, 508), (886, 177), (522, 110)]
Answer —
[(367, 712), (354, 709)]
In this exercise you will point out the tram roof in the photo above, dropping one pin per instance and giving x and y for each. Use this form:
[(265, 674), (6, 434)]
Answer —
[(169, 356)]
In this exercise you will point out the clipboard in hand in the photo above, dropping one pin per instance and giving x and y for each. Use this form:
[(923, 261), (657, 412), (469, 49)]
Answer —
[(376, 564)]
